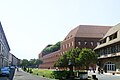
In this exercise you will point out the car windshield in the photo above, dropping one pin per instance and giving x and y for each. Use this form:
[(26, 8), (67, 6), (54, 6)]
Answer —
[(5, 68)]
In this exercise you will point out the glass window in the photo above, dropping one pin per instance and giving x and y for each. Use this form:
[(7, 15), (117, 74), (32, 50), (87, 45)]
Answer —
[(66, 45), (69, 44), (118, 47), (98, 43), (79, 43), (72, 43), (92, 43), (85, 43), (63, 47)]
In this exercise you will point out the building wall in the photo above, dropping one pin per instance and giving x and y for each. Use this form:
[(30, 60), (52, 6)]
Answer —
[(49, 60), (4, 49), (86, 42), (78, 37), (109, 50)]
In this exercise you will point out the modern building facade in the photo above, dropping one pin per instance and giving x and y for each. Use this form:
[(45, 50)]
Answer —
[(109, 50), (4, 49), (83, 36)]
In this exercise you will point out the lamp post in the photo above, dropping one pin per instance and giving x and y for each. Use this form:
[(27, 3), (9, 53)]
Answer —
[(71, 69)]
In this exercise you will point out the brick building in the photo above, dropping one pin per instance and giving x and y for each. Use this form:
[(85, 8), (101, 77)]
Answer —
[(83, 36), (109, 50)]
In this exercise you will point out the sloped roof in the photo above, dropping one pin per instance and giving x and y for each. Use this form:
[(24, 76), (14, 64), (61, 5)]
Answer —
[(89, 31), (111, 31)]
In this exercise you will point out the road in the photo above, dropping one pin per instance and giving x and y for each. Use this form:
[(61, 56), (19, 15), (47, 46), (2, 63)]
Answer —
[(20, 75)]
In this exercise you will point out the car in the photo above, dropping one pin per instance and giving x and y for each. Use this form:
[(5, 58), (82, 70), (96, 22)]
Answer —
[(12, 67), (5, 71)]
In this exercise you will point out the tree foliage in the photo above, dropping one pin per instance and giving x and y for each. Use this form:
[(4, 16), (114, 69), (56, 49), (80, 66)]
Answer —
[(24, 62), (30, 63), (78, 58), (70, 55), (51, 48), (87, 57)]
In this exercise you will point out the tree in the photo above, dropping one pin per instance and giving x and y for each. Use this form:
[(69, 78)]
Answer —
[(24, 63), (86, 58), (30, 63), (78, 58), (71, 56), (38, 62)]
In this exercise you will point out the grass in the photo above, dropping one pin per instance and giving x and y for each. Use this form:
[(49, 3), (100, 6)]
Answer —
[(43, 73)]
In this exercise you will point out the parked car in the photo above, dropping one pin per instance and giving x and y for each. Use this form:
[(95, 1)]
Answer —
[(5, 71), (12, 67)]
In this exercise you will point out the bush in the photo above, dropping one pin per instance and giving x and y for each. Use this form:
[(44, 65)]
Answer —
[(30, 71), (61, 74), (24, 68)]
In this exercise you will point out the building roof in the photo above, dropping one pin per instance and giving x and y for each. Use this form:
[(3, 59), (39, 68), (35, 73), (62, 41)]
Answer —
[(89, 31), (111, 31)]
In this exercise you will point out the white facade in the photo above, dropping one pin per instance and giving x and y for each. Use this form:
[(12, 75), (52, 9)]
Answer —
[(4, 49)]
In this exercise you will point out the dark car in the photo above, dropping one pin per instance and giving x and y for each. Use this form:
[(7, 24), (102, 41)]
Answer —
[(5, 71)]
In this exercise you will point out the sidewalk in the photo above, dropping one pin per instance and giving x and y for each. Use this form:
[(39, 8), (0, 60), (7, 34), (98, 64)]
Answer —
[(96, 73), (21, 75)]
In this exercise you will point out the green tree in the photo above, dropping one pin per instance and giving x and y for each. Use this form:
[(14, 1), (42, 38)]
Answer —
[(86, 58), (38, 62), (24, 63), (68, 58)]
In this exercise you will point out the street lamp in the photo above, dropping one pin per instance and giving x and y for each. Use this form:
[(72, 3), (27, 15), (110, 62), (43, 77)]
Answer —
[(71, 69)]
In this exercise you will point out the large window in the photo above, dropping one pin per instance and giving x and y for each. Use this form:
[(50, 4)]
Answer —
[(109, 66), (113, 36), (109, 50)]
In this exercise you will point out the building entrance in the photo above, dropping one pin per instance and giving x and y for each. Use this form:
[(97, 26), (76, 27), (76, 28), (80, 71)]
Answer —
[(109, 66)]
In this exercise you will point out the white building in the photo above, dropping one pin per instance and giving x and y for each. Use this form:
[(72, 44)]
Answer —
[(4, 49)]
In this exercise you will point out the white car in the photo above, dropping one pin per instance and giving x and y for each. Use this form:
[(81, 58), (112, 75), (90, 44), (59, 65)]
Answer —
[(5, 71)]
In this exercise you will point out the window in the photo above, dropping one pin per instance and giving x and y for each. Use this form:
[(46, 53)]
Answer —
[(92, 43), (98, 43), (118, 47), (85, 43), (66, 45), (69, 44), (113, 36), (0, 48), (63, 47), (72, 43), (79, 43), (110, 66)]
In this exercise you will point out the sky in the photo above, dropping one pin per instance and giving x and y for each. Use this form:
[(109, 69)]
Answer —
[(30, 25)]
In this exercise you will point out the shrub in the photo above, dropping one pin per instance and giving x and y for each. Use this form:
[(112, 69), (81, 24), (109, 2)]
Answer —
[(61, 74)]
